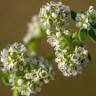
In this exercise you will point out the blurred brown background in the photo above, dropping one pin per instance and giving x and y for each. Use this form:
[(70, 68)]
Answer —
[(14, 15)]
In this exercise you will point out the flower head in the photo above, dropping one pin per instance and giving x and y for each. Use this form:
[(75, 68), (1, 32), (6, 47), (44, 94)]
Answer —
[(87, 19), (35, 30), (82, 21), (71, 61), (91, 13), (54, 15), (25, 72)]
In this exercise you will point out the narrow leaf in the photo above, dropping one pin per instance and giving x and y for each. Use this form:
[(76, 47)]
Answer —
[(92, 35), (73, 15), (5, 80), (89, 57)]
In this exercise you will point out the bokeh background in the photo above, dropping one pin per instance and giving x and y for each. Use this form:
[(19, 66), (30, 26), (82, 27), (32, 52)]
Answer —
[(14, 16)]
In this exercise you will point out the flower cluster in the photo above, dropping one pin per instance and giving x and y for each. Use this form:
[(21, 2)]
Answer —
[(82, 21), (69, 56), (53, 15), (59, 40), (11, 56), (87, 19), (34, 30), (54, 18), (71, 61), (91, 13), (25, 72)]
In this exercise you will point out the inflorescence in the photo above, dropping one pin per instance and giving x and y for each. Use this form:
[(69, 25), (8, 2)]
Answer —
[(25, 72), (70, 57), (86, 19), (34, 31)]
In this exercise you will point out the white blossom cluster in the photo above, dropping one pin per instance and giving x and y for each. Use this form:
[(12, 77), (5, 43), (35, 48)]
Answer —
[(57, 40), (71, 58), (34, 30), (86, 19), (54, 18), (25, 72), (91, 13), (82, 21), (71, 61), (53, 15), (12, 55)]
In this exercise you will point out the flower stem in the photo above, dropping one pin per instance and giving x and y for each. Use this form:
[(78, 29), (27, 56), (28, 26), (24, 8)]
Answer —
[(15, 93)]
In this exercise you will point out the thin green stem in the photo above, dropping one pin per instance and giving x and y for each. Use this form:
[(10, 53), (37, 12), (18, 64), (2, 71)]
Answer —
[(15, 93)]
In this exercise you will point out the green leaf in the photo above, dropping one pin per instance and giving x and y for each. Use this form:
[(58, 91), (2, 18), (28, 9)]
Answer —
[(73, 15), (82, 34), (6, 80), (92, 35)]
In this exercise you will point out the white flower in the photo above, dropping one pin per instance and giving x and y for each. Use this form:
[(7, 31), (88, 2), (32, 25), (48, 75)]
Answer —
[(53, 41), (34, 30), (37, 79), (58, 34), (20, 81), (54, 15), (62, 66), (67, 32), (85, 52), (48, 32), (4, 54), (28, 75), (43, 73), (82, 21), (64, 51), (91, 11), (48, 8)]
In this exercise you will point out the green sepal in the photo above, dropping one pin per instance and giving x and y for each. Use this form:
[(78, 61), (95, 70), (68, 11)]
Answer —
[(75, 35)]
